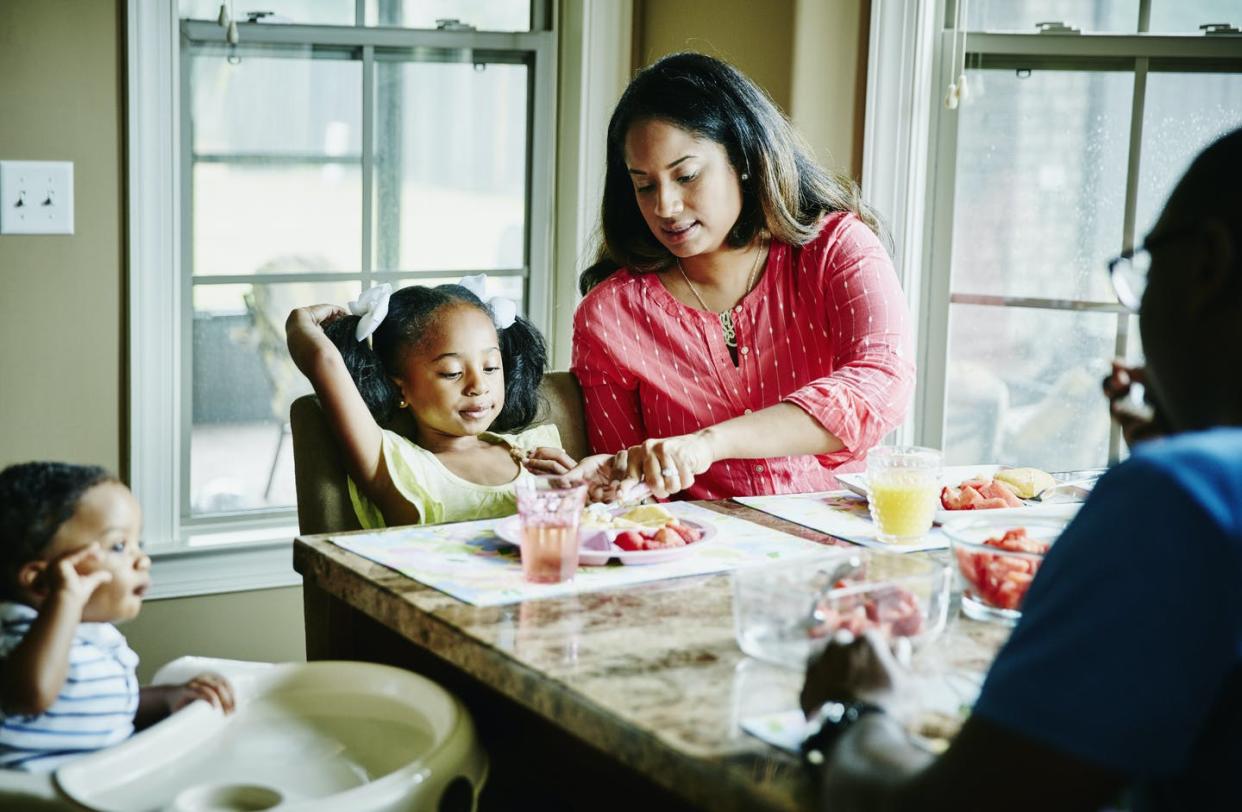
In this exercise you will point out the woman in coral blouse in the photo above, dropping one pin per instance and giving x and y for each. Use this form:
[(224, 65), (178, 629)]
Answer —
[(745, 332)]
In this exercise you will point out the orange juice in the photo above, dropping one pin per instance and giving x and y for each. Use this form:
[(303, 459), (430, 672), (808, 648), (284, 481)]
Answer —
[(903, 504)]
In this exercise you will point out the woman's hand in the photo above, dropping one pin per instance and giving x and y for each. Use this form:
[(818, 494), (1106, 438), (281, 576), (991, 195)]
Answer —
[(548, 460), (666, 466), (211, 688), (851, 668), (1139, 420)]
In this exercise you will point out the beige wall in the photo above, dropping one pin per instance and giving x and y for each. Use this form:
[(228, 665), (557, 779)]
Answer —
[(829, 87), (264, 626), (757, 37), (62, 328), (61, 331), (809, 55)]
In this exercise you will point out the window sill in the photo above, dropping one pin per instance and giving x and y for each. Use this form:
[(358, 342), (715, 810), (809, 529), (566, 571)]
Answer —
[(220, 563)]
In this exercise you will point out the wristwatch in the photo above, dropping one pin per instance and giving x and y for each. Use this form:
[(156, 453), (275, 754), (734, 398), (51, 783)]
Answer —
[(833, 719)]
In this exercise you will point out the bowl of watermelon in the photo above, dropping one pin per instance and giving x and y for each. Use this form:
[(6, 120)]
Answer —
[(998, 560), (784, 611)]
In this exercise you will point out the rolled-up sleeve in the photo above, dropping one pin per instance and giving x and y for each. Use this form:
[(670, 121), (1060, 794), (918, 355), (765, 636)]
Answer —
[(609, 393), (868, 392)]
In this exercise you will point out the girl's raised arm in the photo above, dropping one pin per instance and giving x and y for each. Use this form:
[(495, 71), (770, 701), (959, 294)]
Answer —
[(320, 361)]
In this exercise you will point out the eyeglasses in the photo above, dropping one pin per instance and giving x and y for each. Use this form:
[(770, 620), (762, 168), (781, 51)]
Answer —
[(1128, 272)]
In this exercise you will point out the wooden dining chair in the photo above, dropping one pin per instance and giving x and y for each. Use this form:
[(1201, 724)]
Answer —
[(319, 469)]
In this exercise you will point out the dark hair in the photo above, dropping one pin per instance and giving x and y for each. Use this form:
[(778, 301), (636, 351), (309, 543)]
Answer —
[(1209, 187), (786, 194), (36, 498), (412, 311)]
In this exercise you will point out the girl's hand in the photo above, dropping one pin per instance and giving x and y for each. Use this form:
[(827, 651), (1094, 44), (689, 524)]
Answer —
[(547, 460), (74, 576), (598, 473), (850, 669), (304, 333), (211, 688), (666, 466), (1139, 421), (321, 314)]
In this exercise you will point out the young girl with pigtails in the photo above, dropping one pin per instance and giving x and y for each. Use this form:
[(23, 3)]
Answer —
[(466, 372)]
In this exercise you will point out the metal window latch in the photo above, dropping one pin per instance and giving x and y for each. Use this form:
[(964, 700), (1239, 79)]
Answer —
[(1217, 29), (452, 24), (1056, 27), (257, 16)]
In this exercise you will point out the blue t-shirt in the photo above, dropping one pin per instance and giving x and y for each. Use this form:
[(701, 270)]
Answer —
[(1129, 651)]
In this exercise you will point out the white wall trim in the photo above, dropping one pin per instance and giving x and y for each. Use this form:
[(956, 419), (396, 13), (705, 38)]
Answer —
[(595, 44), (186, 573), (896, 133), (153, 265)]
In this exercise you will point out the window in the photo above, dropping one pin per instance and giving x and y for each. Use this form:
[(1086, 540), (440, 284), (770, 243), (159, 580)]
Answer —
[(336, 145), (1062, 154)]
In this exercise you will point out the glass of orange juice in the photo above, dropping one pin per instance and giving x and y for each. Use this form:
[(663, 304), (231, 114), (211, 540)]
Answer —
[(549, 508), (903, 485)]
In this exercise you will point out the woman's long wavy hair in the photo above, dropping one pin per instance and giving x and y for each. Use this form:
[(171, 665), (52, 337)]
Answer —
[(414, 310), (785, 196)]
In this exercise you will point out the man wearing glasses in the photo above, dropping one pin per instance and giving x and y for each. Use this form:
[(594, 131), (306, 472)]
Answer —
[(1123, 678)]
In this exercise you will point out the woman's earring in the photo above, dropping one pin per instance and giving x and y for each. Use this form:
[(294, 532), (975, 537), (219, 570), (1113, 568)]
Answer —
[(403, 405), (745, 176)]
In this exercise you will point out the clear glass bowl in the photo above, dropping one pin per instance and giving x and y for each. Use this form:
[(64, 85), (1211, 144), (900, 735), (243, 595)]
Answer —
[(997, 571), (781, 611)]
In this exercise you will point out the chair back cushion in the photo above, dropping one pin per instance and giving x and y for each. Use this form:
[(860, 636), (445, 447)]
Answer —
[(319, 468)]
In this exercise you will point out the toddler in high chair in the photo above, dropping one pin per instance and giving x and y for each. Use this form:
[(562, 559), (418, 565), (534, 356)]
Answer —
[(72, 566), (465, 371)]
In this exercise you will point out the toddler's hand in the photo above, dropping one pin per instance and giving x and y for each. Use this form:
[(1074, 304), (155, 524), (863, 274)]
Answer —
[(546, 460), (209, 687), (74, 575)]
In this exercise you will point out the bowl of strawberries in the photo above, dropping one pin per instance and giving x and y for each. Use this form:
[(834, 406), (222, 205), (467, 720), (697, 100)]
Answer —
[(998, 560)]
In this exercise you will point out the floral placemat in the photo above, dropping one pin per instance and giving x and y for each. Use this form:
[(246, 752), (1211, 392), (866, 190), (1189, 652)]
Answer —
[(842, 514), (467, 560)]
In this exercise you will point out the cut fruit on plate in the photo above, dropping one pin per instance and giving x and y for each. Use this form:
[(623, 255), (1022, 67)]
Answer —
[(630, 546)]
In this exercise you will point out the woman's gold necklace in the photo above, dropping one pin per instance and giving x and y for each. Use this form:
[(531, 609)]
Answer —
[(726, 315)]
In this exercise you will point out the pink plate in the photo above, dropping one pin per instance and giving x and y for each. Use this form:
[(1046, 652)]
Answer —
[(597, 547)]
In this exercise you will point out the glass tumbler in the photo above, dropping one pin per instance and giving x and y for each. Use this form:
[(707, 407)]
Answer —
[(549, 509), (903, 489)]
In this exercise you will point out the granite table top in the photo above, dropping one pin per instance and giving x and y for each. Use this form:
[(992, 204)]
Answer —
[(650, 674)]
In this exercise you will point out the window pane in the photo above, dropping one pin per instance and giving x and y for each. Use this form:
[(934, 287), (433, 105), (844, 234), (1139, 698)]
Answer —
[(301, 103), (450, 166), (1120, 16), (303, 12), (1184, 113), (483, 15), (269, 218), (1179, 16), (1023, 387), (241, 457), (1041, 177)]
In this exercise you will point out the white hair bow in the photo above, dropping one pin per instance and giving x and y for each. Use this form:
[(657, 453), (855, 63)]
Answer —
[(370, 308), (504, 310)]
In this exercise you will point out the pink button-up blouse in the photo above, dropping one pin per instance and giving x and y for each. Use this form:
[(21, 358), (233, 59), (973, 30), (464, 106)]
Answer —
[(825, 328)]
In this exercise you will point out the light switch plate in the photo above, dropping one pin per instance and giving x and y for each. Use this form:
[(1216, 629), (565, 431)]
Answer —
[(36, 197)]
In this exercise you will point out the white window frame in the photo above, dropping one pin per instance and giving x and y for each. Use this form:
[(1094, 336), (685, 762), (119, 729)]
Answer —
[(909, 165), (243, 553)]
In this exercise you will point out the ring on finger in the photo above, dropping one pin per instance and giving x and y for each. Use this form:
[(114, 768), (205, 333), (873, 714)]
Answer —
[(668, 472)]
